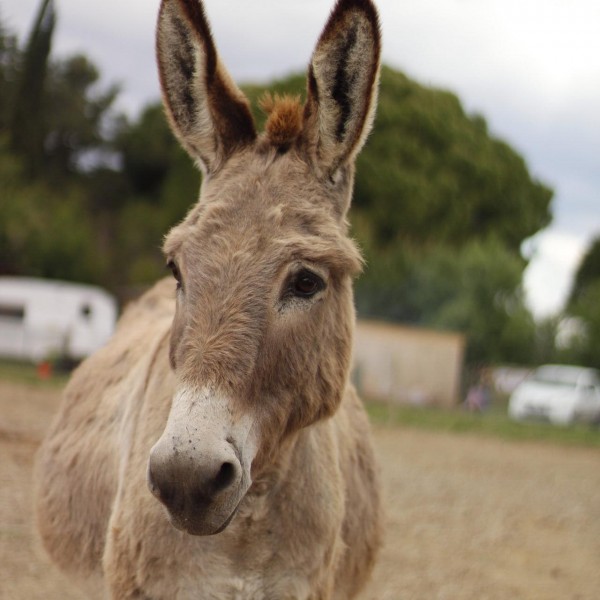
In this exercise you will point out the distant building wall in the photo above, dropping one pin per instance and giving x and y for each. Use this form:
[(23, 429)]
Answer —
[(407, 365)]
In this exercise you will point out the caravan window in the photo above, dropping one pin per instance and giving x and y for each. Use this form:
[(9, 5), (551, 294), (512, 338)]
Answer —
[(12, 312)]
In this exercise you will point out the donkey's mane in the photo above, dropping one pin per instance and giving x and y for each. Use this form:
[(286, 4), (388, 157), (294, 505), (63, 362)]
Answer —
[(284, 122)]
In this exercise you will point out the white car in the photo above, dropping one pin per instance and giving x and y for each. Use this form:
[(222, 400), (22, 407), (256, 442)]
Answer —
[(560, 394)]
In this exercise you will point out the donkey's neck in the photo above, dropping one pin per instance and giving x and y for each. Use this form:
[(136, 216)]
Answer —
[(304, 450)]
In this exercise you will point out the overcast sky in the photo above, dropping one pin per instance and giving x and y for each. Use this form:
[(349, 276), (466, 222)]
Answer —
[(530, 67)]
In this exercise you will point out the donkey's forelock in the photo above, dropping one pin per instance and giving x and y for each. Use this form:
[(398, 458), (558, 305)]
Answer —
[(284, 123)]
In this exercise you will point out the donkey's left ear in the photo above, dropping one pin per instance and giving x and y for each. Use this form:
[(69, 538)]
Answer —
[(343, 82)]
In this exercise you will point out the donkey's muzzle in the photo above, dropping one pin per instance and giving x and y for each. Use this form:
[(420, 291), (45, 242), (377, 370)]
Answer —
[(200, 466), (201, 489)]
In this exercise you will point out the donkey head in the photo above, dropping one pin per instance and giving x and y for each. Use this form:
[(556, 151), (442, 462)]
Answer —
[(261, 339)]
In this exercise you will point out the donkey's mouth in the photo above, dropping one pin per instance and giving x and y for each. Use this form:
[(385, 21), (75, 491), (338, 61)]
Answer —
[(226, 524)]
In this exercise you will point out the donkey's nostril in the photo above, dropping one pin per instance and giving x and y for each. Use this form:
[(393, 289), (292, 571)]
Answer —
[(224, 477)]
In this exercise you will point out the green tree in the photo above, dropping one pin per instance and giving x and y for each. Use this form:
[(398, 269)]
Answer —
[(584, 304), (587, 273), (27, 128), (10, 58), (75, 217), (148, 151), (55, 111), (77, 112), (475, 289), (44, 233), (161, 183), (431, 173), (49, 118)]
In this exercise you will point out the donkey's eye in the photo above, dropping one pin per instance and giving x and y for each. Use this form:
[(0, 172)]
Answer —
[(306, 284), (172, 265)]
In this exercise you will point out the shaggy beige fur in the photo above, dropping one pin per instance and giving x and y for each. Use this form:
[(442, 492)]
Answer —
[(229, 397)]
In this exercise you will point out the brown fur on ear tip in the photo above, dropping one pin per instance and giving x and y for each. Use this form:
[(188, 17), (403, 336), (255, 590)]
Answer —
[(285, 118)]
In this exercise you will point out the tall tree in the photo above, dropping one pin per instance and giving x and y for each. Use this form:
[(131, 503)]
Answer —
[(49, 118), (587, 273), (430, 172), (75, 114), (584, 304), (28, 128), (9, 69)]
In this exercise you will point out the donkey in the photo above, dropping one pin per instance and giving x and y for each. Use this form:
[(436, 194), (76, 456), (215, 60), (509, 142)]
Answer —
[(215, 448)]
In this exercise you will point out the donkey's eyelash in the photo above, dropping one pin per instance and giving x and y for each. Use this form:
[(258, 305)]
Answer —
[(172, 266)]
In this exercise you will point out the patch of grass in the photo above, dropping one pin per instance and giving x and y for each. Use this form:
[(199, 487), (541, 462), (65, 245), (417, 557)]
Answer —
[(23, 372), (494, 422)]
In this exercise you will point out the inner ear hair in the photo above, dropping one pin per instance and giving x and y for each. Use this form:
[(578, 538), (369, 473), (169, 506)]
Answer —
[(206, 110), (342, 84)]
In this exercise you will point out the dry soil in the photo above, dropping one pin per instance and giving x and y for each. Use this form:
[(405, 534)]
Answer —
[(468, 518)]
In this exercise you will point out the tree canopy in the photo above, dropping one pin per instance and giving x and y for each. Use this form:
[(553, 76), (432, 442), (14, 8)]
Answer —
[(588, 273), (584, 305), (26, 127), (433, 173)]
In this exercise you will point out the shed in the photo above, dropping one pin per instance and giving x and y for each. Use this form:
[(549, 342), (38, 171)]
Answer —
[(40, 318), (408, 365)]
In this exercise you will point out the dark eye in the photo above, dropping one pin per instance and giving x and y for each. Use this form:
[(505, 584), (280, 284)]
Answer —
[(306, 284), (172, 265)]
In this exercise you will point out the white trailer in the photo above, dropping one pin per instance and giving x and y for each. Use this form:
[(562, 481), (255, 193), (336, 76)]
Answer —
[(42, 318)]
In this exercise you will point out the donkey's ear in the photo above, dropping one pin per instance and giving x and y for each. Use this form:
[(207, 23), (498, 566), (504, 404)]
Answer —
[(208, 113), (342, 85)]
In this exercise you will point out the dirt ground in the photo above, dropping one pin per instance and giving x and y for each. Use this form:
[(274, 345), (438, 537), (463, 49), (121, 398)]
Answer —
[(468, 518)]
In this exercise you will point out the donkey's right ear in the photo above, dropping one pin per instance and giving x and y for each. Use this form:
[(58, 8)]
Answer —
[(207, 112)]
